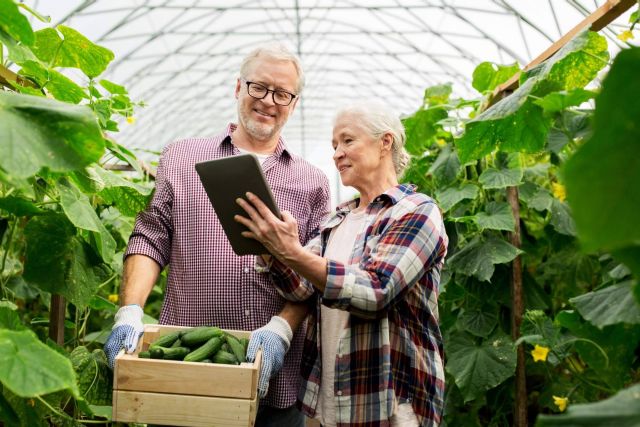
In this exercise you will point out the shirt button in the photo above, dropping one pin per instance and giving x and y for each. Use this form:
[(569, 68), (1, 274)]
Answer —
[(247, 312), (246, 269), (339, 393)]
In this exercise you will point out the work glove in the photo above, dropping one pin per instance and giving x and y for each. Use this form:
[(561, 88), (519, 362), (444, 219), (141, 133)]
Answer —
[(274, 338), (126, 332)]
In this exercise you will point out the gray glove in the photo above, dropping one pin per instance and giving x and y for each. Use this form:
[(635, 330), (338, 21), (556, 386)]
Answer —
[(126, 332)]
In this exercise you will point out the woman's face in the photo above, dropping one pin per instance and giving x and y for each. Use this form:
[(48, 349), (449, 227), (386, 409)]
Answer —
[(357, 154)]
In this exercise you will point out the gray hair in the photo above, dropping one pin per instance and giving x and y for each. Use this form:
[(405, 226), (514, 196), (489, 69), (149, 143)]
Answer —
[(378, 119), (277, 51)]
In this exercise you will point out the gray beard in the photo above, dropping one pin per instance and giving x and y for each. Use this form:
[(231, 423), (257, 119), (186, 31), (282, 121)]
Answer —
[(256, 130)]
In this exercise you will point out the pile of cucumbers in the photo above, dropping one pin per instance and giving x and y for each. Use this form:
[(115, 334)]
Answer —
[(204, 344)]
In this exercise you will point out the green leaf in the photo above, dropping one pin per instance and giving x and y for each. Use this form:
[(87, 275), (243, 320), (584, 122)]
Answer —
[(479, 322), (608, 306), (605, 171), (437, 95), (125, 155), (14, 23), (449, 197), (620, 410), (18, 52), (39, 132), (19, 206), (7, 414), (77, 207), (112, 87), (500, 178), (558, 101), (9, 319), (61, 87), (95, 378), (478, 257), (75, 51), (541, 200), (561, 218), (487, 76), (497, 216), (73, 272), (29, 368), (479, 365), (446, 167), (421, 129), (613, 339)]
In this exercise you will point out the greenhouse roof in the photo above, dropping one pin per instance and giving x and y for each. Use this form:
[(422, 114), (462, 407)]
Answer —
[(181, 57)]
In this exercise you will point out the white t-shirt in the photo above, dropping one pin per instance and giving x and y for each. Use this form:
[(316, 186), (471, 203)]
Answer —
[(261, 157)]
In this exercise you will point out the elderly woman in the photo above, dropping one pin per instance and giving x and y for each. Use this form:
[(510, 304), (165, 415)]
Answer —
[(373, 350)]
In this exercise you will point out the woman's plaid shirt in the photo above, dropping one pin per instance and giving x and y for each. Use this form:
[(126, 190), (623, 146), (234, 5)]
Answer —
[(392, 344)]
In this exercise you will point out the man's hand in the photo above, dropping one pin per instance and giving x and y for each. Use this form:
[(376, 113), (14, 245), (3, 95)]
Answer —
[(274, 338), (125, 333)]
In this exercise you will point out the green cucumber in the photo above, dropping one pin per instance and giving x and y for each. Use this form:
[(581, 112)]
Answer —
[(245, 344), (144, 355), (237, 349), (171, 353), (166, 340), (156, 352), (205, 351), (197, 336), (178, 343), (226, 358)]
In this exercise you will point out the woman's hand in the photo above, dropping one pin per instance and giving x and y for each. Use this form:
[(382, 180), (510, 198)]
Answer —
[(279, 236)]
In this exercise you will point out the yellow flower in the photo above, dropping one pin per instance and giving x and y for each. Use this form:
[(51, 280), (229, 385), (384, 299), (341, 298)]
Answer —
[(539, 353), (561, 402), (559, 192), (131, 120), (441, 142), (113, 298), (625, 35)]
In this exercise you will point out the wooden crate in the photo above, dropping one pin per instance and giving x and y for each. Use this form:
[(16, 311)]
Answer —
[(180, 393)]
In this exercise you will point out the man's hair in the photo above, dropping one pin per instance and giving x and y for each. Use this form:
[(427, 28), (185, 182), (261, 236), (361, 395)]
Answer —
[(378, 119), (274, 50)]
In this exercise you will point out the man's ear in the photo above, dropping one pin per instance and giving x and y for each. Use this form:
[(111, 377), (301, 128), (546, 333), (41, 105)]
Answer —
[(238, 87), (293, 104)]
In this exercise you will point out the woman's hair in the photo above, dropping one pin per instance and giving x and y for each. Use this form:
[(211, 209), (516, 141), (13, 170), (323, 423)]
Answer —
[(378, 119), (277, 51)]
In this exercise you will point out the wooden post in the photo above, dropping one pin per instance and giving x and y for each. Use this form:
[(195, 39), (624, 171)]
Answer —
[(56, 319)]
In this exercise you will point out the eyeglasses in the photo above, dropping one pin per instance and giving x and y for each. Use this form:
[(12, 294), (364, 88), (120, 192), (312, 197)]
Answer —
[(258, 91)]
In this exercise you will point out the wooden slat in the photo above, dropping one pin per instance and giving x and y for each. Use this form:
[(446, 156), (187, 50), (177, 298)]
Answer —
[(181, 410), (600, 18)]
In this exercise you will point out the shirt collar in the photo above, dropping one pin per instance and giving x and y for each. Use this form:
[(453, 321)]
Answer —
[(393, 195), (281, 148)]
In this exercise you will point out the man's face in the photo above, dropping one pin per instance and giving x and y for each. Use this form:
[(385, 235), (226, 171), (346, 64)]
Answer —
[(262, 119)]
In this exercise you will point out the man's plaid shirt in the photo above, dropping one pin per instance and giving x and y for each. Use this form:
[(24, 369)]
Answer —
[(392, 344)]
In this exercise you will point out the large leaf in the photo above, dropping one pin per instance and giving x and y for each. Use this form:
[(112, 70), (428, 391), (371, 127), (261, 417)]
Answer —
[(487, 76), (446, 168), (39, 132), (480, 321), (14, 23), (500, 178), (58, 262), (605, 172), (614, 340), (19, 207), (95, 378), (558, 101), (516, 123), (421, 129), (449, 197), (561, 218), (29, 368), (497, 216), (620, 410), (478, 257), (75, 50), (608, 306), (479, 365), (54, 82)]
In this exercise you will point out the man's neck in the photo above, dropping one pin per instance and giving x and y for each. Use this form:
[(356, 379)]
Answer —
[(242, 139)]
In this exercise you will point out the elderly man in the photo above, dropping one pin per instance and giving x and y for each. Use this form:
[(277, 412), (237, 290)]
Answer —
[(207, 283)]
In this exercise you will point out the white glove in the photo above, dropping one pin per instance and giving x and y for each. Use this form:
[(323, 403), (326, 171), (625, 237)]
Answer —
[(126, 332), (274, 338)]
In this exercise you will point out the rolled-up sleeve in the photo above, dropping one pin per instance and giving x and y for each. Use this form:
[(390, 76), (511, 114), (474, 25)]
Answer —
[(153, 229)]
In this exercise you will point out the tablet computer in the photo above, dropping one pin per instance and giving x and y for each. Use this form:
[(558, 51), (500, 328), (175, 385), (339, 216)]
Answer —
[(225, 180)]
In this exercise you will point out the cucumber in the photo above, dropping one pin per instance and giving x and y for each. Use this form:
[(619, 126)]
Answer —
[(226, 358), (237, 349), (245, 344), (200, 335), (166, 340), (171, 353), (144, 355), (178, 343), (205, 351)]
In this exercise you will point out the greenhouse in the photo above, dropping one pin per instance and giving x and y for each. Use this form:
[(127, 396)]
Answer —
[(445, 229)]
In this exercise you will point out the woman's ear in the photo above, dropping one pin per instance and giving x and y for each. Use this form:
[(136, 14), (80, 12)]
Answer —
[(387, 142)]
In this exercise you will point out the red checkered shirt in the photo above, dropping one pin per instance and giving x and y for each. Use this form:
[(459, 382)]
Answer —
[(392, 347), (208, 284)]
